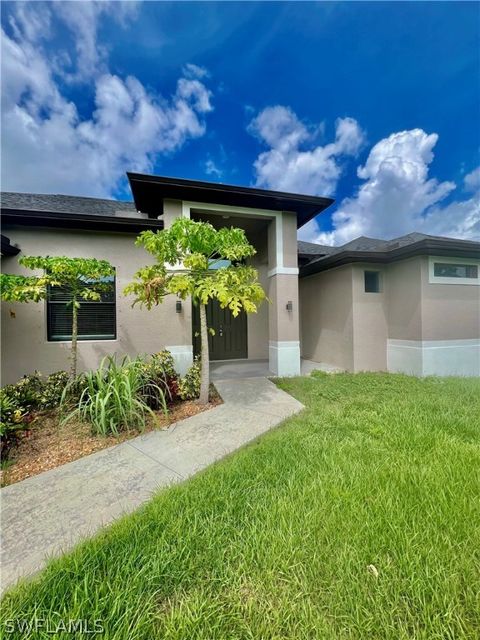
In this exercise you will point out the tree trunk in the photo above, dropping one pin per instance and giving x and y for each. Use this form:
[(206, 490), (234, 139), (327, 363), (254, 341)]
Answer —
[(73, 355), (205, 370)]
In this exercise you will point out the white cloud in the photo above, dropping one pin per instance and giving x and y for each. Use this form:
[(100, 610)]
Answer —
[(192, 71), (472, 180), (398, 196), (211, 169), (294, 162), (47, 146)]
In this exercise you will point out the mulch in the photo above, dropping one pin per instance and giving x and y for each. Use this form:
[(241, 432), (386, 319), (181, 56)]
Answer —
[(49, 444)]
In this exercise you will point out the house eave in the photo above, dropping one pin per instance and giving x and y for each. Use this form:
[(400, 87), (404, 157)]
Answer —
[(149, 193), (429, 247), (69, 220)]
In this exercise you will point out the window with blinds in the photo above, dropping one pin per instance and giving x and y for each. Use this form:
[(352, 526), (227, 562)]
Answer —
[(96, 320)]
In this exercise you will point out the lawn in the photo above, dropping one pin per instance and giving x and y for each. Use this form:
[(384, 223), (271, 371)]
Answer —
[(359, 518)]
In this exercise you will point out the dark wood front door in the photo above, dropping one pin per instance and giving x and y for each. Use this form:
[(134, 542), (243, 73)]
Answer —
[(230, 339)]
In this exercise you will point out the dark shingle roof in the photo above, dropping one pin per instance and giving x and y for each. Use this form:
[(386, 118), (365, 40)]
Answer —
[(375, 250), (56, 203), (313, 249)]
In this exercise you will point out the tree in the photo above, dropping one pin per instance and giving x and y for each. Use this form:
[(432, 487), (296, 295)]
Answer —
[(81, 278), (196, 247)]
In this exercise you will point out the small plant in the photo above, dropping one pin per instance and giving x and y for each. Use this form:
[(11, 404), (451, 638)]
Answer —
[(52, 391), (14, 418), (116, 396), (27, 392), (189, 386)]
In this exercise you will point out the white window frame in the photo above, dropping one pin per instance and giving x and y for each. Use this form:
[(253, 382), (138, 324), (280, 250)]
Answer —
[(433, 279)]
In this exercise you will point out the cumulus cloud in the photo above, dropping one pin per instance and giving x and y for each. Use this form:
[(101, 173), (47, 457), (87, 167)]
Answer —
[(46, 144), (294, 162), (398, 196)]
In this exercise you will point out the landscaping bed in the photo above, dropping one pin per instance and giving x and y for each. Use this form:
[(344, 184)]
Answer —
[(50, 420), (356, 519), (49, 444)]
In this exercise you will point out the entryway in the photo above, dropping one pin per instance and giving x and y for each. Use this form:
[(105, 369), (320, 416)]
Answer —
[(230, 339)]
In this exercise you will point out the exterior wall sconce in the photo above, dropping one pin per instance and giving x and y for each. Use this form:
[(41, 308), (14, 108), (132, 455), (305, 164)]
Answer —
[(289, 305), (178, 306)]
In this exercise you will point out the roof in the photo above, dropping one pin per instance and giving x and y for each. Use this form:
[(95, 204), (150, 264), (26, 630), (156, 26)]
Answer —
[(313, 249), (149, 192), (58, 203), (73, 212), (364, 249), (8, 249)]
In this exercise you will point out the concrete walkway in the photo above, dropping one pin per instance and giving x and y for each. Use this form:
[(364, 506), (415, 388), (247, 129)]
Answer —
[(46, 515)]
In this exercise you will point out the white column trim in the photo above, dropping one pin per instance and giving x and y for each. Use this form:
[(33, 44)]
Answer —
[(284, 357), (283, 271), (182, 356)]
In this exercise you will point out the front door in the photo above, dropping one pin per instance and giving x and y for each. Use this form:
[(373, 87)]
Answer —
[(230, 339)]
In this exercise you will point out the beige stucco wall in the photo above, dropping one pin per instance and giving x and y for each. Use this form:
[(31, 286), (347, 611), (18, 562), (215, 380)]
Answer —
[(369, 321), (326, 317), (24, 332), (344, 326), (257, 323), (403, 291), (449, 311)]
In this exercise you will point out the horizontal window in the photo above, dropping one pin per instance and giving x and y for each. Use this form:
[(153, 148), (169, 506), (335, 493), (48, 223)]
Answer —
[(453, 270), (96, 319)]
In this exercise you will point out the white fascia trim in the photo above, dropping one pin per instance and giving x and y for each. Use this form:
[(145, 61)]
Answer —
[(433, 279), (265, 213), (283, 271)]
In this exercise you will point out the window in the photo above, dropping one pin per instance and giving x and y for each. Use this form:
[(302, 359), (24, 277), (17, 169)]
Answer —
[(443, 270), (452, 270), (372, 281), (96, 320)]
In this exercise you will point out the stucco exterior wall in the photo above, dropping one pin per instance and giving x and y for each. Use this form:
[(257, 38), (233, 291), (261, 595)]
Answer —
[(403, 290), (326, 317), (449, 311), (257, 323), (24, 329), (370, 329), (412, 325)]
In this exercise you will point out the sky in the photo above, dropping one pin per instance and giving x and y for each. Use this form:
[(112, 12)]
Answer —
[(374, 104)]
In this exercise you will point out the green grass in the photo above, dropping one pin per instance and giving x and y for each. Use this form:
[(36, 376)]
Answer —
[(275, 541)]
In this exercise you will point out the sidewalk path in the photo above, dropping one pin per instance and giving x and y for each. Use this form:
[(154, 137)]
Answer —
[(46, 515)]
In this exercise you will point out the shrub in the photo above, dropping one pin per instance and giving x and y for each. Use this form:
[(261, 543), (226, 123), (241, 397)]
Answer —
[(26, 393), (189, 386), (115, 396), (14, 418), (159, 375), (52, 391), (163, 368)]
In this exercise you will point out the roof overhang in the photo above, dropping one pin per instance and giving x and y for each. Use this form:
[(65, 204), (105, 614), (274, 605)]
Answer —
[(8, 249), (149, 193), (428, 247), (78, 221)]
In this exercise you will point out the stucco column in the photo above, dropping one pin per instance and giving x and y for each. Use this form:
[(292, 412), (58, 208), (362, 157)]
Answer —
[(180, 323), (283, 319)]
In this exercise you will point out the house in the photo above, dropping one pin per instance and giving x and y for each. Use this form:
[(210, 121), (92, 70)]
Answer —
[(411, 304)]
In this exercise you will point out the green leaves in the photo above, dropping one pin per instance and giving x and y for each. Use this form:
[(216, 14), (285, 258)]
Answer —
[(22, 288), (73, 274), (192, 245)]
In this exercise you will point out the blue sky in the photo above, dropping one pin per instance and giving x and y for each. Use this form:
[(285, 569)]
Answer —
[(375, 104)]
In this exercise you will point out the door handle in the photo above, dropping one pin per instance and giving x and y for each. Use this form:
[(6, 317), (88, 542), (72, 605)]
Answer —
[(220, 331)]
